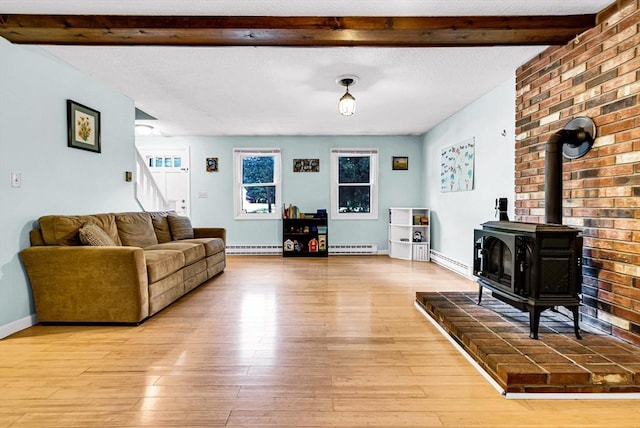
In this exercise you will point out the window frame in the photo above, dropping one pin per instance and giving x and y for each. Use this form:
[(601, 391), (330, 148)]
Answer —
[(373, 155), (238, 155)]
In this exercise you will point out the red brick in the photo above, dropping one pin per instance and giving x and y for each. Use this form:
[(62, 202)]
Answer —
[(617, 59), (620, 235), (567, 374), (615, 277), (630, 292), (525, 374), (627, 202), (614, 149), (544, 389), (609, 297), (627, 247), (600, 202), (605, 194)]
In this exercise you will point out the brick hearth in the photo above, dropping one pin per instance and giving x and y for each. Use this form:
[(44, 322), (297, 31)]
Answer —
[(496, 335)]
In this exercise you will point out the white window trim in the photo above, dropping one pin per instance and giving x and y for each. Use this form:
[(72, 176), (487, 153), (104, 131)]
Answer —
[(238, 154), (338, 152)]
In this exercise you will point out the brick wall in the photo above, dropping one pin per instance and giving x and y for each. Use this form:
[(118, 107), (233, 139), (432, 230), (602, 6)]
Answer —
[(597, 75)]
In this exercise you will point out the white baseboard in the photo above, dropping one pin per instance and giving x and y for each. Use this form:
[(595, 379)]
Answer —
[(16, 326)]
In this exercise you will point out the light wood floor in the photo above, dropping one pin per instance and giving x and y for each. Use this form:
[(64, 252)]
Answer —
[(275, 342)]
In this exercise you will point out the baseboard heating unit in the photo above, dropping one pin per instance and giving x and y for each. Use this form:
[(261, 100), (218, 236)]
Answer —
[(270, 250), (254, 250), (353, 249), (451, 264)]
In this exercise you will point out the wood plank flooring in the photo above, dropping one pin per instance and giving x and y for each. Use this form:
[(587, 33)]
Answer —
[(277, 342)]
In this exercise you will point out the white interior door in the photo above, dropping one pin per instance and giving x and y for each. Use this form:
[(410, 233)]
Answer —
[(170, 168)]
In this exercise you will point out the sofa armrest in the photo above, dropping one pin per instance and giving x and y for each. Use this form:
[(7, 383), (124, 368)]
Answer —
[(210, 232), (88, 284)]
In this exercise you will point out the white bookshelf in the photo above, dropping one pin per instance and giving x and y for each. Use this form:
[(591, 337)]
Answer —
[(406, 226)]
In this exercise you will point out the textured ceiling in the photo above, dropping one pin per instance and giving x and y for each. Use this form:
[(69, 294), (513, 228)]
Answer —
[(292, 91)]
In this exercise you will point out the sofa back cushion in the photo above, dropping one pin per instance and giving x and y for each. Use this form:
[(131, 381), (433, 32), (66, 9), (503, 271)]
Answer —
[(180, 227), (135, 229), (63, 229), (161, 225)]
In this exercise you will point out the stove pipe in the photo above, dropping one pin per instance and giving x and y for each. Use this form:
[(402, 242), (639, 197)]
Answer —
[(553, 170)]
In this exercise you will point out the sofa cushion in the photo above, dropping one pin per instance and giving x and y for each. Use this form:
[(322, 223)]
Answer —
[(180, 227), (211, 245), (161, 225), (63, 229), (136, 229), (162, 263), (192, 251), (92, 234)]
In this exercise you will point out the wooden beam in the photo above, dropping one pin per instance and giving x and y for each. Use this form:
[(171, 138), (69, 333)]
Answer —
[(129, 30)]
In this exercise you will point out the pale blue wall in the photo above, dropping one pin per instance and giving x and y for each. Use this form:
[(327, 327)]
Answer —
[(56, 179), (34, 88), (308, 191), (454, 215)]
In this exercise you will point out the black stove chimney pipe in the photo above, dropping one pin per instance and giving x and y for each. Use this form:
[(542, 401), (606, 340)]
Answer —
[(553, 170)]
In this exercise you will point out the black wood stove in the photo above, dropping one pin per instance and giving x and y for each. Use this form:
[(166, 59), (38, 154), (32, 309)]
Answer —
[(531, 266), (538, 266)]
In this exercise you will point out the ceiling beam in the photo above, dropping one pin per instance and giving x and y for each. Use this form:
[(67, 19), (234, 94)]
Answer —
[(451, 31)]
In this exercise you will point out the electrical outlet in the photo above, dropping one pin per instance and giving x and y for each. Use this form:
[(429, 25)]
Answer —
[(16, 179)]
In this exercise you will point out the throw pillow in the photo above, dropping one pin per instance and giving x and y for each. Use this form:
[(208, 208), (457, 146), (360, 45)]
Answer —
[(161, 225), (180, 227), (91, 234)]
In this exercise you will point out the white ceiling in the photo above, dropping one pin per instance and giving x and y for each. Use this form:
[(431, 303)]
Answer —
[(293, 91)]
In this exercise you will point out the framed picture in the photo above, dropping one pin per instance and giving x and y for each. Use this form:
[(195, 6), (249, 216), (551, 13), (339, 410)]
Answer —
[(83, 127), (306, 165), (400, 162), (212, 164)]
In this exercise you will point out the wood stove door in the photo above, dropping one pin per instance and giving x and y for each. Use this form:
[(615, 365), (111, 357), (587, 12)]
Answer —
[(494, 259)]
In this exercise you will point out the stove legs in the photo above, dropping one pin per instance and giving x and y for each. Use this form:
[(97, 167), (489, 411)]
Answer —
[(576, 327), (535, 311), (534, 320)]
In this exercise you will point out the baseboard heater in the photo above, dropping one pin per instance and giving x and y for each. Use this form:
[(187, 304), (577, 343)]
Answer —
[(353, 249), (451, 264), (254, 250), (269, 250)]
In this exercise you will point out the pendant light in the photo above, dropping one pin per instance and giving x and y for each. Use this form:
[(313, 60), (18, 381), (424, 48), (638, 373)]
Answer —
[(347, 103)]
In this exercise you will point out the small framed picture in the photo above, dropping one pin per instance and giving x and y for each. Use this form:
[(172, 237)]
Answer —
[(306, 165), (400, 163), (83, 127), (212, 164)]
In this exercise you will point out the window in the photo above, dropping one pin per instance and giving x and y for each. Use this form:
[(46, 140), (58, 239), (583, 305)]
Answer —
[(257, 193), (354, 188)]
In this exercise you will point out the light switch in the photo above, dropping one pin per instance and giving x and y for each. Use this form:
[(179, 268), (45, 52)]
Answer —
[(16, 179), (203, 195)]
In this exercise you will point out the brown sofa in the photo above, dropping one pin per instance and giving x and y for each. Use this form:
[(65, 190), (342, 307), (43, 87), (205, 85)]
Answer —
[(117, 267)]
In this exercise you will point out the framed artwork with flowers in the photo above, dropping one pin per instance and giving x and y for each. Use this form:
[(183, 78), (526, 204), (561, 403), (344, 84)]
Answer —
[(83, 127)]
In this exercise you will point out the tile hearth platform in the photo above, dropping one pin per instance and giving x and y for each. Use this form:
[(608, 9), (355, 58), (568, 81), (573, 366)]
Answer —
[(496, 336)]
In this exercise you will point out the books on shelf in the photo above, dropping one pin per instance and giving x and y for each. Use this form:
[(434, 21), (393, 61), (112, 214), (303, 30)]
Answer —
[(291, 212)]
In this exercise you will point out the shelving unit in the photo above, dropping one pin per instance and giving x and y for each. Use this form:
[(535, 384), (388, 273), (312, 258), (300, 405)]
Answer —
[(409, 233), (305, 237)]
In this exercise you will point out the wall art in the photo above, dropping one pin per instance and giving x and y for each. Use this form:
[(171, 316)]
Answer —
[(212, 164), (306, 165), (456, 166), (83, 127), (400, 163)]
